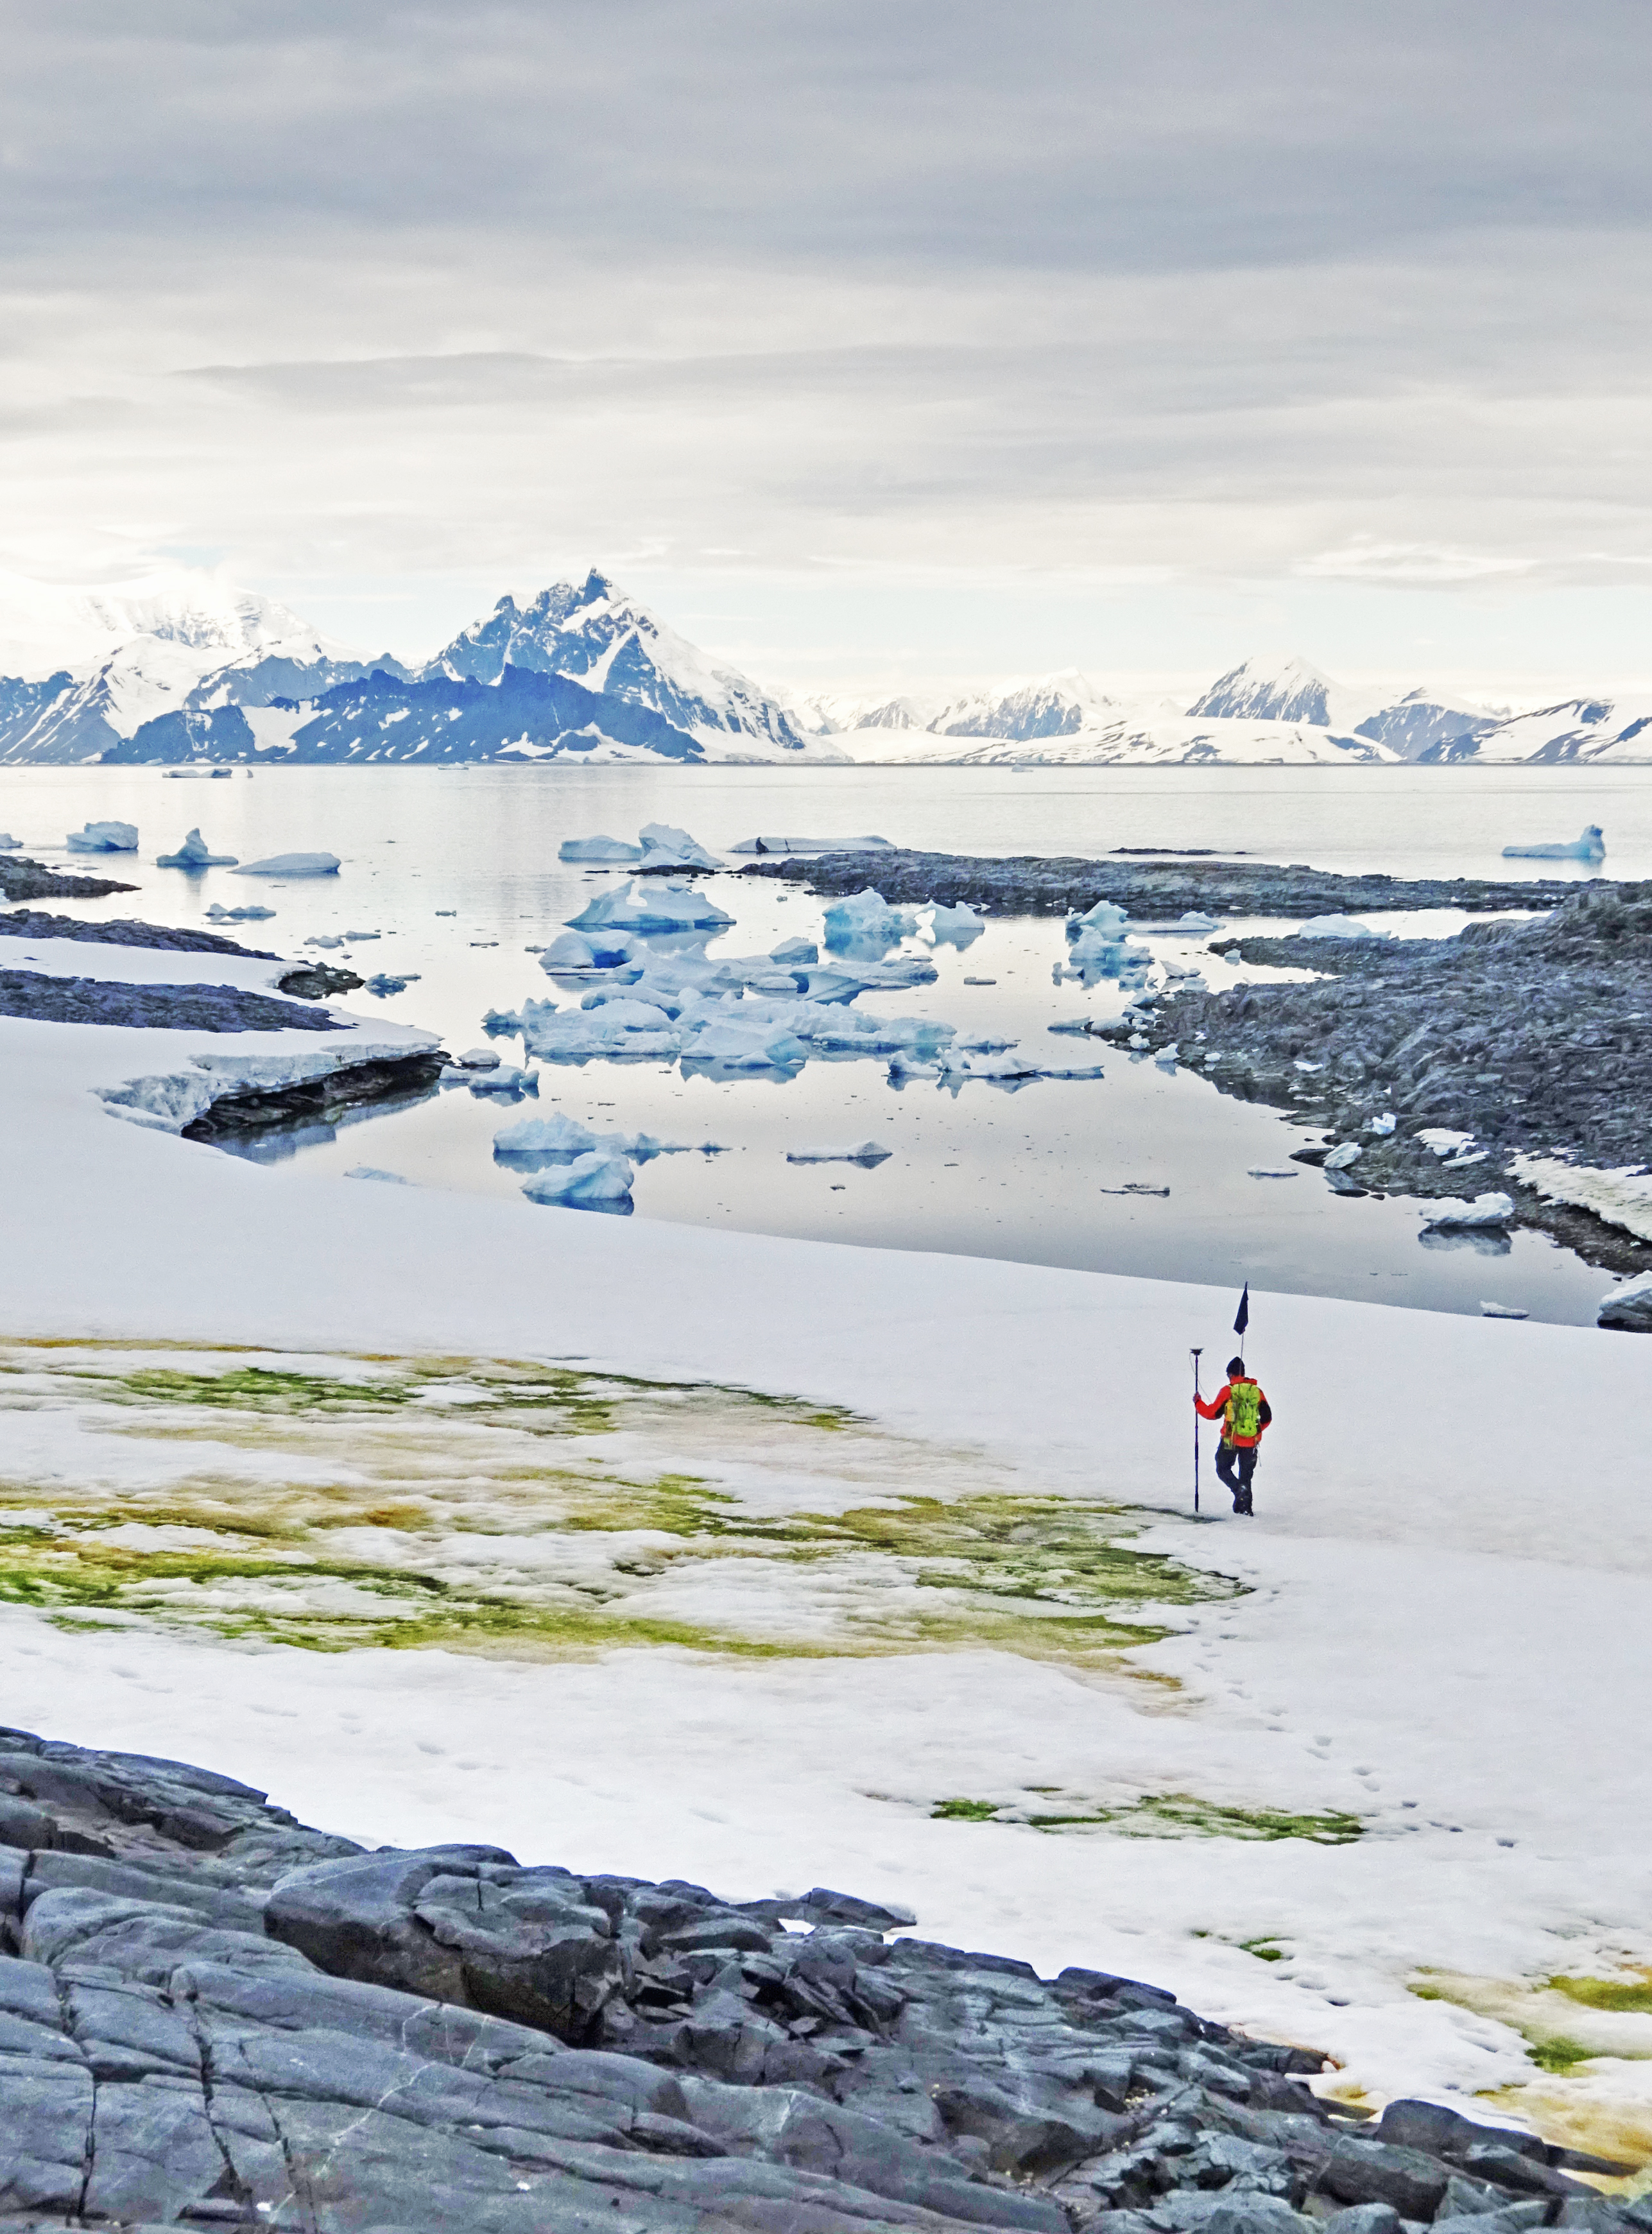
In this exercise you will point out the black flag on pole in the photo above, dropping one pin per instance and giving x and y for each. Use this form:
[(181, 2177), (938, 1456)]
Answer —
[(1242, 1316)]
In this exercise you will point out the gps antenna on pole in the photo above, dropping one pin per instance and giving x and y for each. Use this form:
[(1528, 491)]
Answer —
[(1198, 1354)]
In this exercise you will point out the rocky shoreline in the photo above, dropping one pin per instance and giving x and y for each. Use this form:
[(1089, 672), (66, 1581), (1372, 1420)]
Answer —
[(1151, 891), (22, 879), (212, 2015), (30, 993), (1530, 1038)]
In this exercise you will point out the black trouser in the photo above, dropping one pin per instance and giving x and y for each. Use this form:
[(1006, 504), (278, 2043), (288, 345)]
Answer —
[(1226, 1456)]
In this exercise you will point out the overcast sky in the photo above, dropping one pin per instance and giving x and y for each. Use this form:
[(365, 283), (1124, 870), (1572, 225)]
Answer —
[(880, 343)]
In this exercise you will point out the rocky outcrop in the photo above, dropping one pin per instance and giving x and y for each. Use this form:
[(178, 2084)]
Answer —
[(1152, 891), (31, 880), (33, 922), (210, 2015), (1527, 1036), (156, 1008)]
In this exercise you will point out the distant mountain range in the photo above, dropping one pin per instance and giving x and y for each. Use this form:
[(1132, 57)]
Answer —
[(185, 668)]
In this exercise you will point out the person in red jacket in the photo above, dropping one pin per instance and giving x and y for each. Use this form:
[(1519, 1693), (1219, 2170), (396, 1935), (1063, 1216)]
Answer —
[(1244, 1413)]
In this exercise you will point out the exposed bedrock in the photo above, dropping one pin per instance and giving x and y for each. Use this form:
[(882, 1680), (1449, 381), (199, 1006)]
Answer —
[(1156, 891), (211, 2015), (156, 1008), (33, 881), (33, 922)]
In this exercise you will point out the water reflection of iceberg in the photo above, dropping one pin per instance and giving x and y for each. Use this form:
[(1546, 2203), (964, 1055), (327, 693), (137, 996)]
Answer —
[(1485, 1241)]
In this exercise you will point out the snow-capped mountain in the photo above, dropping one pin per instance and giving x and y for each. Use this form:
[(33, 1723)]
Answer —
[(1154, 737), (593, 632), (1591, 729), (47, 626), (1422, 723), (1052, 706), (828, 714), (1279, 690)]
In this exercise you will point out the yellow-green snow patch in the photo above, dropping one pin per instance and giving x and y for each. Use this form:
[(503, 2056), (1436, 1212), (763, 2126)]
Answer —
[(1160, 1815), (533, 1511)]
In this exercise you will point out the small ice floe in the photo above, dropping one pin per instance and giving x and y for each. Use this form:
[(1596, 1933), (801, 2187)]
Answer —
[(558, 1135), (383, 982), (1590, 846), (1071, 1070), (509, 1079), (1381, 1126), (104, 838), (867, 1151), (598, 849), (1136, 1186), (1627, 1307), (1168, 1056), (954, 926), (292, 865), (865, 920), (902, 1067), (1340, 1159), (328, 939), (618, 1028), (1262, 1175), (1338, 926), (371, 1172), (767, 844), (217, 914), (986, 981), (8, 844), (651, 906), (1194, 923), (1098, 946), (1502, 1311), (194, 853), (478, 1059), (1484, 1213), (352, 937), (985, 1043), (598, 1180), (734, 1044), (955, 1066), (664, 847), (795, 949)]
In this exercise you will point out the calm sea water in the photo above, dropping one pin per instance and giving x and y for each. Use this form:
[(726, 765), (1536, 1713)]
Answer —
[(457, 873)]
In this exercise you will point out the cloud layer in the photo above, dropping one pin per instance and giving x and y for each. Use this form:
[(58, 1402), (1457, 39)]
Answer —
[(389, 306)]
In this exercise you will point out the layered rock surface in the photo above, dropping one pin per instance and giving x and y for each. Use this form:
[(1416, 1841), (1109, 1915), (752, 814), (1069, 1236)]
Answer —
[(210, 2015)]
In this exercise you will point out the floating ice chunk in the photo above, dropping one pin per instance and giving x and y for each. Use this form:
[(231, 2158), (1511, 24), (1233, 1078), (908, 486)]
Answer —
[(595, 1180), (1136, 1186), (217, 914), (9, 845), (761, 1044), (954, 926), (1445, 1142), (1192, 923), (193, 854), (840, 1032), (327, 938), (509, 1079), (866, 919), (1628, 1306), (1502, 1311), (1071, 1070), (653, 906), (1486, 1210), (795, 949), (568, 950), (1105, 916), (1338, 926), (478, 1059), (598, 849), (767, 844), (104, 838), (663, 844), (292, 864), (383, 982), (556, 1135), (865, 1151), (371, 1172), (1261, 1174), (1340, 1159), (1592, 846), (627, 1028), (1381, 1126), (954, 1065), (985, 1043)]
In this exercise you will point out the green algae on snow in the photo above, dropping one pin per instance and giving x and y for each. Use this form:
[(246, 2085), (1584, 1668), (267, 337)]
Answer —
[(529, 1510), (1166, 1815)]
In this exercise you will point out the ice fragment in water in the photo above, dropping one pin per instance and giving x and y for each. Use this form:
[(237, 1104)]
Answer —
[(1486, 1210), (292, 864), (104, 838), (9, 845), (383, 984), (218, 914), (954, 926), (665, 845), (1381, 1126), (866, 1152), (865, 920), (767, 844), (1592, 846), (1338, 926), (1340, 1159), (1502, 1311), (598, 849), (193, 854), (657, 906), (795, 949), (597, 1180), (371, 1172)]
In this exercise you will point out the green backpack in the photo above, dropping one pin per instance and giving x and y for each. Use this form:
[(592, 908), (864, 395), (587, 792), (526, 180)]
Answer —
[(1243, 1409)]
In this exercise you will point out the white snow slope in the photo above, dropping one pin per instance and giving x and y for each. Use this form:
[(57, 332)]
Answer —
[(1444, 1630)]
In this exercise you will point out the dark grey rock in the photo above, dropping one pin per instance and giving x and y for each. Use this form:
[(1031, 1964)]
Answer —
[(1363, 2219), (152, 1008), (220, 2017), (22, 879), (33, 922)]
